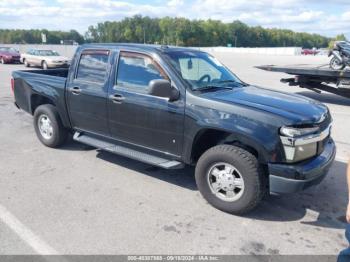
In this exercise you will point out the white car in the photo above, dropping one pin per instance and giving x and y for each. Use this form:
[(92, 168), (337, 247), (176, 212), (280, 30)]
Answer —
[(44, 58)]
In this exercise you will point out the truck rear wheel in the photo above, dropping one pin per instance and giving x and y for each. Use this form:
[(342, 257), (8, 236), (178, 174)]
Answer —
[(48, 126), (228, 177)]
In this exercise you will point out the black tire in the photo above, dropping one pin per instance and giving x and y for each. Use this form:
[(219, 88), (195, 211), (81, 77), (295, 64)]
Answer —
[(59, 132), (25, 62), (248, 167), (335, 64), (44, 65)]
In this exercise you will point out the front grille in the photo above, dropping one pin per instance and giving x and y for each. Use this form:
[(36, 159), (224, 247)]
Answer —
[(326, 122), (323, 125)]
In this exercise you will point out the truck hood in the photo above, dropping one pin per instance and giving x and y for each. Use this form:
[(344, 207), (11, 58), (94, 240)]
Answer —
[(297, 108)]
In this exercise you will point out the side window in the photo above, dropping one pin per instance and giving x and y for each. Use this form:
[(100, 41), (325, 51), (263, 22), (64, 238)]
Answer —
[(135, 71), (93, 67)]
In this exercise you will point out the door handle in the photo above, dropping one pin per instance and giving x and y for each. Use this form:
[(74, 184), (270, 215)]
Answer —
[(75, 90), (116, 98)]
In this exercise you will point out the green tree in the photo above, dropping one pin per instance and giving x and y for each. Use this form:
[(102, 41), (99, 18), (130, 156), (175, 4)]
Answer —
[(340, 37), (174, 31)]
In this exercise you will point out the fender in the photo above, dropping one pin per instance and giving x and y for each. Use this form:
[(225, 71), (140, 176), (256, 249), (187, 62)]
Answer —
[(267, 148)]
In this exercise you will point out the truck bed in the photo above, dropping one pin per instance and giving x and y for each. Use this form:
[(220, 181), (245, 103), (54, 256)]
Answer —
[(30, 85)]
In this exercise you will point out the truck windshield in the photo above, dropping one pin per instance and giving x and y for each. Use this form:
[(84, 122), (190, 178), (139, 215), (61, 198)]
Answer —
[(201, 70)]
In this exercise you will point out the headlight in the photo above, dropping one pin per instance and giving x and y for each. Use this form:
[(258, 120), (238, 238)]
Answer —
[(299, 153), (300, 143), (297, 131)]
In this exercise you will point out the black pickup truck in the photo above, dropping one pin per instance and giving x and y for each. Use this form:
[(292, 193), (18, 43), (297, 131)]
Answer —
[(172, 107)]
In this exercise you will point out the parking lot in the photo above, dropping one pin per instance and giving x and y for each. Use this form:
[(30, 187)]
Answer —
[(76, 200)]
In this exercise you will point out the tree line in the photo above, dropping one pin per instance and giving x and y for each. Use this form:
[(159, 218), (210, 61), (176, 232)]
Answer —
[(174, 31), (185, 32), (33, 36)]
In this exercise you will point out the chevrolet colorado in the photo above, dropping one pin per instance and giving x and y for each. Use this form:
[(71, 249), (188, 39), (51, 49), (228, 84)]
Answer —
[(170, 107)]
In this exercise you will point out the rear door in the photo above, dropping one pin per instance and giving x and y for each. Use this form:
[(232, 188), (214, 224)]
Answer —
[(87, 92), (141, 119)]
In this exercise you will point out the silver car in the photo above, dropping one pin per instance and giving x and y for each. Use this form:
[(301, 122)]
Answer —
[(44, 58)]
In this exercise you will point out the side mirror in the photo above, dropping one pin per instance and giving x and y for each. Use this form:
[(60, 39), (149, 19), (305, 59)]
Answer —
[(163, 88)]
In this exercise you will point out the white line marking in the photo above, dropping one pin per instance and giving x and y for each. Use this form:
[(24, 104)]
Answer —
[(25, 233), (340, 113), (342, 159)]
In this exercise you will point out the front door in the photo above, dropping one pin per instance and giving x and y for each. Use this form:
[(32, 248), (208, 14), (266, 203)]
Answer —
[(139, 118), (30, 57), (87, 92)]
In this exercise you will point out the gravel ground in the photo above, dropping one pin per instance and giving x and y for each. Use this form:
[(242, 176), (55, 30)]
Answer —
[(76, 200)]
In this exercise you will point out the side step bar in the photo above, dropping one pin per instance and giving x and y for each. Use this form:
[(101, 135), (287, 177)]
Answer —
[(127, 152)]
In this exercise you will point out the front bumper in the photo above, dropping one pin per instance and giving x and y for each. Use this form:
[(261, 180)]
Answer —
[(14, 60), (58, 65), (290, 178)]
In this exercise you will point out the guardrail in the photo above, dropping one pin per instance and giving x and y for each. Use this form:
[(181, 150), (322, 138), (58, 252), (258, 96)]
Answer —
[(69, 50), (257, 50)]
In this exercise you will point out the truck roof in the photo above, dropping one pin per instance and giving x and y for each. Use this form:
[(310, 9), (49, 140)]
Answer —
[(141, 47)]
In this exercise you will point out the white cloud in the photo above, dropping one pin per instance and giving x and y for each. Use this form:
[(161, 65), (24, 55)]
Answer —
[(20, 3), (176, 3), (301, 15)]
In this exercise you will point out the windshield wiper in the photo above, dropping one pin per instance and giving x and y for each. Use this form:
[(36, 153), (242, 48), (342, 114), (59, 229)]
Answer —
[(231, 81), (212, 87), (218, 84), (227, 81)]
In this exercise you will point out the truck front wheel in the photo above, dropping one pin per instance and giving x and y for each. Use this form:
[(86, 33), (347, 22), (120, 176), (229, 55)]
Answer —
[(229, 178), (48, 126)]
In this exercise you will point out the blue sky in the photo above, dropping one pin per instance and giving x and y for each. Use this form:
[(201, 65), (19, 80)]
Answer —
[(314, 16)]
